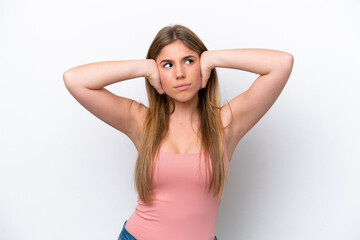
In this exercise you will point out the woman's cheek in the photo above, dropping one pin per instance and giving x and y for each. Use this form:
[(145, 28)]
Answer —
[(164, 80)]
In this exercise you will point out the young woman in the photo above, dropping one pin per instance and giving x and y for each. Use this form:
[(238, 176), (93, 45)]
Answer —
[(185, 139)]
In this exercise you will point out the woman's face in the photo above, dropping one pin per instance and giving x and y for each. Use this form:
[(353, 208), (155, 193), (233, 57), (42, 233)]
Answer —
[(178, 65)]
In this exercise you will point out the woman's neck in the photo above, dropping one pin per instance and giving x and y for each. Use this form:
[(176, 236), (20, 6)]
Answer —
[(185, 112)]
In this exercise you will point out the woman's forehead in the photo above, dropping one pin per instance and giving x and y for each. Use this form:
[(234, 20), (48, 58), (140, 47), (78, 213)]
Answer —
[(176, 50)]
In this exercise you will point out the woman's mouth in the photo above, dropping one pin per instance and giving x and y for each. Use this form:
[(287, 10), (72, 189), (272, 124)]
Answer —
[(183, 87)]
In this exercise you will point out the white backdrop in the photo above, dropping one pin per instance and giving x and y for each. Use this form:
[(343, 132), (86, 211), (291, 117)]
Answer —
[(64, 174)]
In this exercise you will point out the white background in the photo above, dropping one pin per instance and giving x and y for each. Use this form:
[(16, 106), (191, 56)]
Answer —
[(64, 174)]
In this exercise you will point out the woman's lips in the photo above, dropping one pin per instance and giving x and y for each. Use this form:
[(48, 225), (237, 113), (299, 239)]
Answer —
[(183, 87)]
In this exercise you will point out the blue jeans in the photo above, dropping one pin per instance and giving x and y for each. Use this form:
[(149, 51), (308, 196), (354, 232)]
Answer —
[(125, 235)]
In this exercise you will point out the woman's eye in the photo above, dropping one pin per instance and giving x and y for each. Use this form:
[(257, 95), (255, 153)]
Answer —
[(170, 64)]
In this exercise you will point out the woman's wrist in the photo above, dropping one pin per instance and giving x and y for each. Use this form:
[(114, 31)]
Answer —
[(149, 67), (209, 58)]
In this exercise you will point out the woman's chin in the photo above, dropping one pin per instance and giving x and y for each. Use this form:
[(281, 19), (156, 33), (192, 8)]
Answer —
[(182, 98)]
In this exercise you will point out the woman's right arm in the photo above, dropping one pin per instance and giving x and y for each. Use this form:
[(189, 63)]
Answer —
[(86, 84)]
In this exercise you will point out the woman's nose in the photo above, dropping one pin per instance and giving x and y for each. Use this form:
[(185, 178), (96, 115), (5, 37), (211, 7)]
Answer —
[(179, 72)]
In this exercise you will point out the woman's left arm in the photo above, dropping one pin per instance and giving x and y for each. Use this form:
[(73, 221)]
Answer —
[(274, 68)]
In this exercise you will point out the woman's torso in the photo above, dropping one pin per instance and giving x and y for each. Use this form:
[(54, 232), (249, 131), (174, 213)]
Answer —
[(182, 207)]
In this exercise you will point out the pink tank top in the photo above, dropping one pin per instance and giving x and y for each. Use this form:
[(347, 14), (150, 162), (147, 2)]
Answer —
[(182, 207)]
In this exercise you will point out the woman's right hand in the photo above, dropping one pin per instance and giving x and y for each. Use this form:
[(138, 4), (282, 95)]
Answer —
[(153, 76)]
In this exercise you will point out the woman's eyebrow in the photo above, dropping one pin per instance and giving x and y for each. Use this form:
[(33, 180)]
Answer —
[(168, 60)]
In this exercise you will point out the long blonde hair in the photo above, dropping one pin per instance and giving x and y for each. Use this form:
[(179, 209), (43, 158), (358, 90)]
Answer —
[(157, 120)]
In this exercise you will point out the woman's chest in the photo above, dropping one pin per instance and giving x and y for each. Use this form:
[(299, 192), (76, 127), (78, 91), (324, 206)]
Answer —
[(173, 171), (181, 140)]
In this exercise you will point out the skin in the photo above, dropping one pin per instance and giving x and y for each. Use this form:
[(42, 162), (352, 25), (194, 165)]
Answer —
[(274, 68), (174, 68), (86, 83)]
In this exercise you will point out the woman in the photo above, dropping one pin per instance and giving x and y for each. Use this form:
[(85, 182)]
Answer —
[(185, 140)]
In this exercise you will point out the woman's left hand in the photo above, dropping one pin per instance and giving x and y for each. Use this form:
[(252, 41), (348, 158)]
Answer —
[(205, 67)]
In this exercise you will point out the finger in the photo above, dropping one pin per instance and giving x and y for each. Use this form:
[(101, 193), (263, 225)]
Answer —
[(160, 89), (204, 80)]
